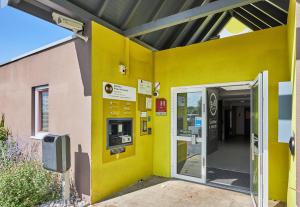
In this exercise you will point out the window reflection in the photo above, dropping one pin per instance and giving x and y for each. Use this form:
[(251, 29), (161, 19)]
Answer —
[(189, 114)]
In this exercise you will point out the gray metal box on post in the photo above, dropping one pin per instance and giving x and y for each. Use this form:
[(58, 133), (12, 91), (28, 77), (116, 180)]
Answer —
[(56, 153)]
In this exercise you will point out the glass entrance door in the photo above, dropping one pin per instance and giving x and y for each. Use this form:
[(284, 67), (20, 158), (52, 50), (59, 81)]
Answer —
[(259, 140), (189, 134), (254, 143)]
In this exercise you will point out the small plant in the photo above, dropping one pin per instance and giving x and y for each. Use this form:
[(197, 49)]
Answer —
[(27, 184), (4, 132), (23, 181), (10, 154)]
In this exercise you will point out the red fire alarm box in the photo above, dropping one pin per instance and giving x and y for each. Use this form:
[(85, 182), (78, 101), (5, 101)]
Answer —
[(161, 107)]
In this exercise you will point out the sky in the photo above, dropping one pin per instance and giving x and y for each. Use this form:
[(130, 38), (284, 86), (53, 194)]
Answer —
[(21, 33)]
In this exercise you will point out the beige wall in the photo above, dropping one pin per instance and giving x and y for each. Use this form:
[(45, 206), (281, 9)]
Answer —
[(66, 68)]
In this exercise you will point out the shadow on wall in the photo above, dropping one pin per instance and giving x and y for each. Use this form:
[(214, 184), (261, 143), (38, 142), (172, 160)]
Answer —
[(82, 172), (83, 50)]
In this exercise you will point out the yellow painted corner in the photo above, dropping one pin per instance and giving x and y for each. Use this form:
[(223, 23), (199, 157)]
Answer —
[(110, 49)]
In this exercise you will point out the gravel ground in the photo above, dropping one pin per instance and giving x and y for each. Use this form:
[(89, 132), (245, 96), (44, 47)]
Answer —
[(60, 203)]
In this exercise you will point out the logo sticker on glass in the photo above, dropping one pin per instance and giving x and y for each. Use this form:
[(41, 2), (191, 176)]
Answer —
[(198, 121)]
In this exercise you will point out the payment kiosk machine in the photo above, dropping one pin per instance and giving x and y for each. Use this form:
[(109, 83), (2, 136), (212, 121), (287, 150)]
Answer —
[(120, 104), (119, 132), (119, 110)]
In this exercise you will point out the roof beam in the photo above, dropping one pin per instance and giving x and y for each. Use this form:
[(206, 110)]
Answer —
[(214, 27), (247, 23), (251, 18), (185, 29), (186, 16), (200, 29), (33, 8), (102, 8), (129, 17), (76, 12), (267, 14), (276, 6), (72, 10), (246, 19), (187, 4), (158, 10), (256, 17)]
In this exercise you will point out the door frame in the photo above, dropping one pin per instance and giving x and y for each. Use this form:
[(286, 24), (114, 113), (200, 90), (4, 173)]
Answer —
[(265, 136), (186, 89), (177, 89), (263, 104)]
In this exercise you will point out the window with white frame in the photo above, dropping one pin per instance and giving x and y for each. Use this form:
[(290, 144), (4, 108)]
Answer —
[(41, 121)]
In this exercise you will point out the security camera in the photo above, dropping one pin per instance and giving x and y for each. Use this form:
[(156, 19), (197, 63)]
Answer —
[(67, 22), (155, 93), (122, 69)]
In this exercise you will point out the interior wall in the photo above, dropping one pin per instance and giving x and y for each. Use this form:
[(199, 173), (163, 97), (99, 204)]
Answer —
[(240, 120), (233, 59), (110, 49)]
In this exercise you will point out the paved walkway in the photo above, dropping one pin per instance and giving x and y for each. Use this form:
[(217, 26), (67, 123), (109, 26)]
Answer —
[(176, 193), (161, 192)]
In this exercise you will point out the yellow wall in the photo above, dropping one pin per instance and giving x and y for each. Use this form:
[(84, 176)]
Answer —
[(238, 58), (108, 51), (234, 26), (291, 39)]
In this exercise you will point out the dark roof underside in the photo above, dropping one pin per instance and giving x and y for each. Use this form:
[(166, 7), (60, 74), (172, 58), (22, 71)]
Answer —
[(121, 15)]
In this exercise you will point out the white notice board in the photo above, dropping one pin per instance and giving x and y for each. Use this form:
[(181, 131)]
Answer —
[(118, 92), (144, 87)]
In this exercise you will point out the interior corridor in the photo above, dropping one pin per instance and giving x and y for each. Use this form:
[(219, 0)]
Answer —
[(230, 164), (228, 157)]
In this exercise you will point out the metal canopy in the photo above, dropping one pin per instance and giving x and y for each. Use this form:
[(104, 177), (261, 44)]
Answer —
[(163, 24)]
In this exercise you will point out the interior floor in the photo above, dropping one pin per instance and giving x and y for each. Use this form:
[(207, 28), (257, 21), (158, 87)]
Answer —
[(230, 164), (231, 155), (228, 158)]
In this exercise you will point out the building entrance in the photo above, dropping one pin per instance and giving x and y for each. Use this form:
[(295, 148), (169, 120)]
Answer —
[(220, 136)]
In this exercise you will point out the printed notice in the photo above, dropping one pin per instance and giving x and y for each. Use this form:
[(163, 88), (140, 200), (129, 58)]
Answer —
[(144, 87), (118, 92), (148, 103)]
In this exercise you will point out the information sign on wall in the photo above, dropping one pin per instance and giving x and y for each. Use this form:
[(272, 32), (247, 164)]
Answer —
[(118, 92), (161, 107), (212, 120), (144, 87)]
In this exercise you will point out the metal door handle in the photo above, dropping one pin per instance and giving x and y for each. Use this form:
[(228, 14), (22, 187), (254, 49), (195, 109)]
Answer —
[(292, 145)]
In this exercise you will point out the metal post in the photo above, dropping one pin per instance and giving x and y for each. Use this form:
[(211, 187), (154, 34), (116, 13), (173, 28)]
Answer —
[(66, 187)]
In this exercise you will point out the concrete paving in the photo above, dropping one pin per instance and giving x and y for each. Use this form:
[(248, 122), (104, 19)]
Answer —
[(161, 192)]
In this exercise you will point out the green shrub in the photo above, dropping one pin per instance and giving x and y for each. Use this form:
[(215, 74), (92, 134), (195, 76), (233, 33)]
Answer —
[(27, 184), (4, 132)]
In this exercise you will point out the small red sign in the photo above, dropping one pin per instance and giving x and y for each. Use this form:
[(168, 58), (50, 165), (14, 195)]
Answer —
[(161, 106)]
